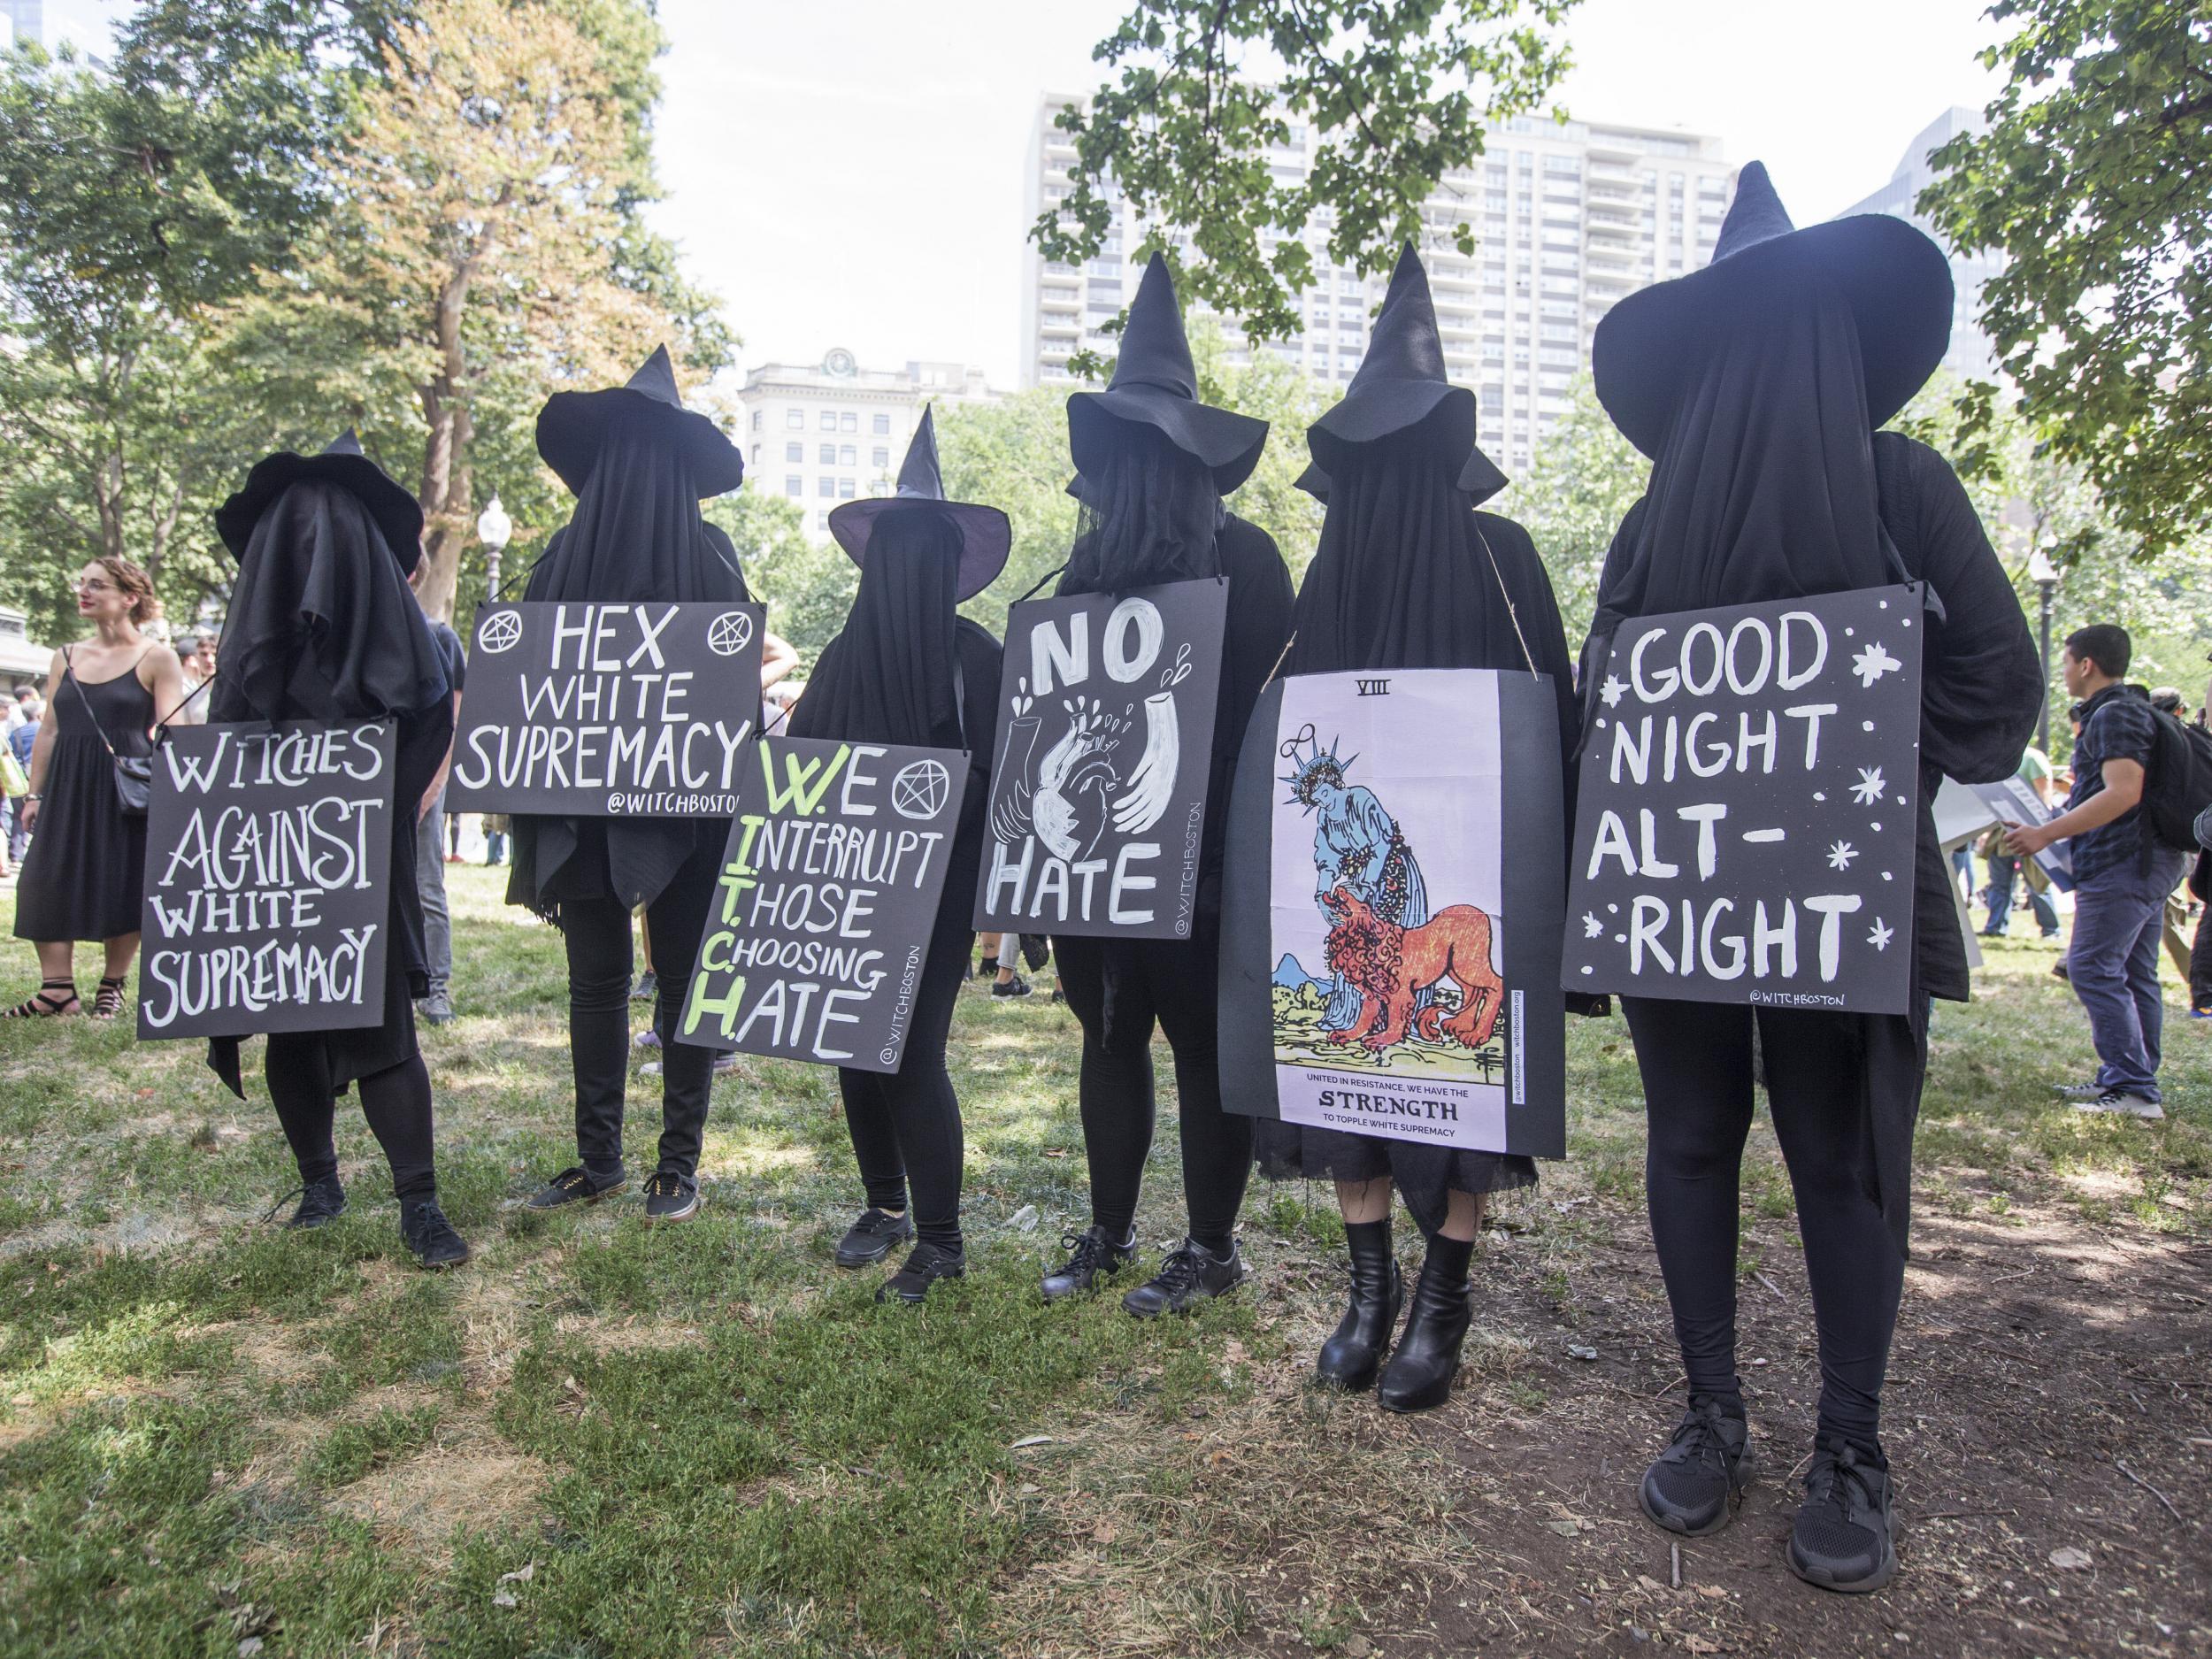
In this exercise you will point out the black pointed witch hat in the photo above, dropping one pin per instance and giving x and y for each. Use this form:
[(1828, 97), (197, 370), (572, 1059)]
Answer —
[(1155, 383), (985, 534), (1399, 383), (1894, 277), (573, 428), (398, 515)]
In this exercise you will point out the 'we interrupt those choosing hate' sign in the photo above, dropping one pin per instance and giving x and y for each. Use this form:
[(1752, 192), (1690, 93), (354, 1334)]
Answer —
[(1748, 801), (268, 879), (828, 894), (608, 710)]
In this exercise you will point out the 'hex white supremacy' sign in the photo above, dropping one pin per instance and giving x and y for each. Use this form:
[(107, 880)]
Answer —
[(608, 710), (1749, 793)]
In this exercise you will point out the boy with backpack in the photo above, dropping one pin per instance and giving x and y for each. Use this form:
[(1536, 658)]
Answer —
[(2129, 818)]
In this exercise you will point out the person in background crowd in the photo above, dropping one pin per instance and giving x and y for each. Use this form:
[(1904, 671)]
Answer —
[(638, 463), (1003, 951), (84, 877), (199, 670), (1153, 465), (1410, 573), (322, 627), (2035, 771), (1759, 387), (495, 840), (907, 668), (26, 713), (2121, 875), (435, 1005)]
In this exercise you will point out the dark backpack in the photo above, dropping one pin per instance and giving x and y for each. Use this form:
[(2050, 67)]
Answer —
[(2177, 786)]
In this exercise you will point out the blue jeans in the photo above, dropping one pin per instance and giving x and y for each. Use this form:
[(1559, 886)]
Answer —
[(2113, 965), (1998, 896), (437, 923)]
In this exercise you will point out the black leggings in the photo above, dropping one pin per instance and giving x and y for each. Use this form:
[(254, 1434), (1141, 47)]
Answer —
[(396, 1100), (905, 1125), (1695, 1058), (1171, 981), (597, 931)]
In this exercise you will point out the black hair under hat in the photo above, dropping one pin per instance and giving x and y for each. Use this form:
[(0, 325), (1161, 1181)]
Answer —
[(398, 515), (985, 534), (1399, 383), (572, 425), (1894, 277), (1155, 383)]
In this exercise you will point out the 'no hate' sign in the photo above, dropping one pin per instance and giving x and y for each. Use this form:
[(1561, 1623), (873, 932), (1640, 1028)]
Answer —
[(1748, 801)]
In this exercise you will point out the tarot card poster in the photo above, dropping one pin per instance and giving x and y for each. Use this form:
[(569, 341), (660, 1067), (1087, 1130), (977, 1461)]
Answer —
[(1392, 910), (1098, 796), (1749, 804)]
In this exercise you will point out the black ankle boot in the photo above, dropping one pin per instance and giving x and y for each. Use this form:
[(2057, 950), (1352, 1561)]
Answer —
[(1419, 1375), (1350, 1358)]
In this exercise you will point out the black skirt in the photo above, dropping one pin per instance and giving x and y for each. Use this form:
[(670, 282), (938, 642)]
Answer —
[(1425, 1175), (85, 874)]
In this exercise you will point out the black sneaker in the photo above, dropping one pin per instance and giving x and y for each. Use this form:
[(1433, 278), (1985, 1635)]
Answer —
[(321, 1203), (1190, 1272), (874, 1236), (1695, 1485), (925, 1266), (1014, 986), (1844, 1539), (1090, 1254), (430, 1236), (647, 986), (576, 1185), (671, 1197)]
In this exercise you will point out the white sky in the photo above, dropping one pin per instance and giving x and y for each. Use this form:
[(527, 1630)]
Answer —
[(852, 174)]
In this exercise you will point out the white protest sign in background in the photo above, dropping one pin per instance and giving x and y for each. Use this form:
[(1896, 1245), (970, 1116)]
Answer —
[(268, 879), (1748, 802), (607, 711)]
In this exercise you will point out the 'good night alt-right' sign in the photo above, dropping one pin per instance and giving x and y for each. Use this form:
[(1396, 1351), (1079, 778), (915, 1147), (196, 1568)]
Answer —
[(1749, 792)]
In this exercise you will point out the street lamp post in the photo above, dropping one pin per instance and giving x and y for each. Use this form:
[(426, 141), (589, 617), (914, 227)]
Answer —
[(494, 528), (2044, 574)]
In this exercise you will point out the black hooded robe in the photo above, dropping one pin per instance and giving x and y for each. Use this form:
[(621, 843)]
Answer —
[(1404, 578)]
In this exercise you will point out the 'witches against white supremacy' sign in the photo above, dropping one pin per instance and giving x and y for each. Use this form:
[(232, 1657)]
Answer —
[(1750, 795)]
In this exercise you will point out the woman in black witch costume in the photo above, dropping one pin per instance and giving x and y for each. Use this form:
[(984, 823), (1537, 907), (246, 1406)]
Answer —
[(1756, 385), (1409, 575), (1154, 463), (640, 464), (907, 668), (323, 626)]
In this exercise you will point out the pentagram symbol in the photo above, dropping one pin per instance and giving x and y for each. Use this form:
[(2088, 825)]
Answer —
[(502, 631), (729, 633), (918, 791)]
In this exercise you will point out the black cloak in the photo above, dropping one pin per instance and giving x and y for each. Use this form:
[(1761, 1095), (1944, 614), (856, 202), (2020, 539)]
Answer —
[(637, 535), (322, 626)]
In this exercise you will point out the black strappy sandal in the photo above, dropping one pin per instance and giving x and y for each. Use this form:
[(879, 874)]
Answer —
[(107, 1002), (45, 1005)]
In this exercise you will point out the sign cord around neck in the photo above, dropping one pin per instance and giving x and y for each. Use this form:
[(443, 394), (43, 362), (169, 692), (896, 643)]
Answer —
[(1513, 615)]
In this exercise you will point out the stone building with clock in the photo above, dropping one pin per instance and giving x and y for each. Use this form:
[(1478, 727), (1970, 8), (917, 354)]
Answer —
[(822, 433)]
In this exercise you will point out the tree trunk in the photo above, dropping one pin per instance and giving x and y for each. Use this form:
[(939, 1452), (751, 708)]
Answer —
[(448, 480)]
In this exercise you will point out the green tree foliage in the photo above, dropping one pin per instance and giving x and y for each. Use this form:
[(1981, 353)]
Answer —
[(2092, 180), (807, 586), (1395, 97), (1580, 483)]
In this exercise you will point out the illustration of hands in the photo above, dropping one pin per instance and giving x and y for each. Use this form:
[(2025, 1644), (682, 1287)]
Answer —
[(1153, 783), (1074, 780)]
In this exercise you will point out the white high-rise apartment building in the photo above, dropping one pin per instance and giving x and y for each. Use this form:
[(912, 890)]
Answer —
[(1568, 219), (1970, 354), (821, 433)]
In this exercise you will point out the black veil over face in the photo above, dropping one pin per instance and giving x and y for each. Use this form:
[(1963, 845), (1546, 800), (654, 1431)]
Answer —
[(1765, 487), (637, 532), (1150, 514), (888, 677), (322, 624), (1400, 578)]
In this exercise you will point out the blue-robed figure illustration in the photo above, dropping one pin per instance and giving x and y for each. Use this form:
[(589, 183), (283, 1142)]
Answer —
[(1358, 845)]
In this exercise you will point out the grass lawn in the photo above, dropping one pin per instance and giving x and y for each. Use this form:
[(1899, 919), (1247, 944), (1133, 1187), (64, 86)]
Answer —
[(217, 1440)]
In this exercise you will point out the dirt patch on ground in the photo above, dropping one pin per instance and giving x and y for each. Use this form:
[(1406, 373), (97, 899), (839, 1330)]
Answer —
[(469, 1479)]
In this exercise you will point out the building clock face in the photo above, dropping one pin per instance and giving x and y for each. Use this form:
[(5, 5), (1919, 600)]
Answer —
[(840, 363)]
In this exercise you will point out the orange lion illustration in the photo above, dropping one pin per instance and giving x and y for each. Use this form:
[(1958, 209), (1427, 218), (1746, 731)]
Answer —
[(1391, 964)]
